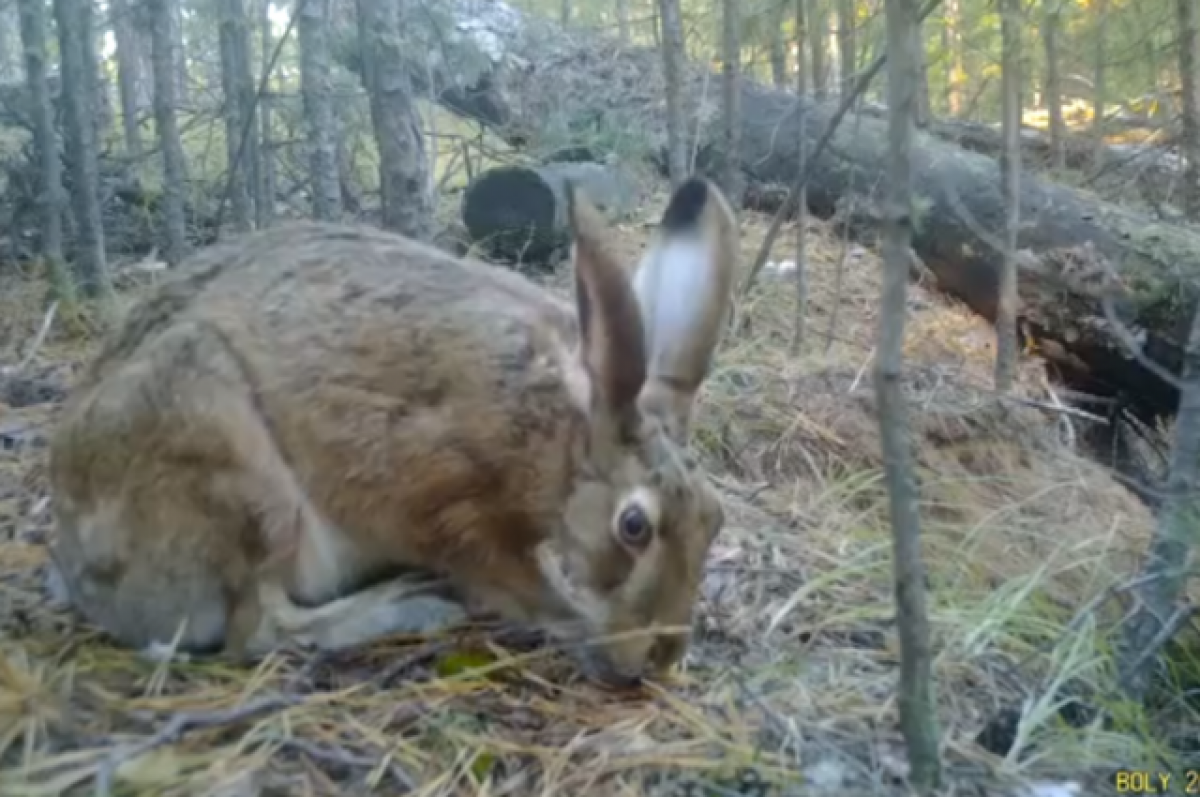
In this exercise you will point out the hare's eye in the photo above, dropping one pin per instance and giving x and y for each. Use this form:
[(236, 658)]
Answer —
[(634, 526)]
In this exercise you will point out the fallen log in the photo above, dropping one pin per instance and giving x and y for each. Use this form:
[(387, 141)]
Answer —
[(548, 79), (518, 214)]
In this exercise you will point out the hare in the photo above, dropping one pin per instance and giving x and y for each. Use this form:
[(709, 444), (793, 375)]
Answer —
[(325, 434)]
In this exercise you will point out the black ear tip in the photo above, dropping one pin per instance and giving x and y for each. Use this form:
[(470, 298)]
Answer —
[(686, 205)]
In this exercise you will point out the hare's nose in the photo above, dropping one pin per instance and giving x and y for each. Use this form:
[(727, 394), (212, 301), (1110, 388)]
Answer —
[(599, 667)]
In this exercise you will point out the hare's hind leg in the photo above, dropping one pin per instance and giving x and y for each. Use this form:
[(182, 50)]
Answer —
[(170, 495)]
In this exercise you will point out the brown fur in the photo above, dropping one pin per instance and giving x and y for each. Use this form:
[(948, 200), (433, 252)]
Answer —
[(307, 409)]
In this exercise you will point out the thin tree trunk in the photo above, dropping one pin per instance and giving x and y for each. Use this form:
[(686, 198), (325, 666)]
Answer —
[(731, 93), (318, 109), (1175, 536), (623, 21), (957, 77), (565, 13), (179, 57), (847, 45), (74, 22), (778, 47), (99, 105), (163, 53), (264, 202), (50, 199), (128, 75), (924, 107), (7, 56), (1052, 88), (918, 719), (404, 178), (818, 42), (1010, 167), (673, 70), (231, 18), (798, 333), (1189, 78), (1100, 57)]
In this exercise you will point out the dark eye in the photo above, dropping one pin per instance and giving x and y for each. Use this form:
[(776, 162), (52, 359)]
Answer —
[(634, 526)]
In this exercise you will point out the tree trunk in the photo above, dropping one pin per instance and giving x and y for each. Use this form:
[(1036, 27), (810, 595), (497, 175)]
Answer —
[(847, 45), (230, 28), (918, 713), (264, 200), (1010, 169), (674, 59), (163, 53), (179, 56), (1052, 87), (74, 21), (953, 44), (318, 109), (924, 109), (801, 278), (778, 47), (404, 178), (1174, 539), (128, 75), (1189, 78), (8, 53), (50, 201), (623, 21), (731, 94), (818, 43), (1099, 11)]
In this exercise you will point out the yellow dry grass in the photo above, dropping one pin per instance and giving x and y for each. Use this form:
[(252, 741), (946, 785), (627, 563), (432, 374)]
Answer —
[(792, 675)]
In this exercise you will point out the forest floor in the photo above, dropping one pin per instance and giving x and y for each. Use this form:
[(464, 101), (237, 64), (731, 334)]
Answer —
[(790, 687)]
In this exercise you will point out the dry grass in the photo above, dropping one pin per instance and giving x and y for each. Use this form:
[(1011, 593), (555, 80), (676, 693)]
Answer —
[(793, 670)]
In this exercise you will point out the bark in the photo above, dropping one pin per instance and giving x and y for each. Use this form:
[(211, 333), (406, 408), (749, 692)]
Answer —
[(128, 74), (731, 104), (924, 109), (518, 214), (231, 27), (953, 44), (404, 168), (918, 717), (673, 65), (819, 46), (318, 108), (1099, 11), (50, 200), (623, 21), (163, 53), (1189, 76), (8, 51), (777, 50), (264, 200), (847, 45), (74, 20), (1010, 169), (1174, 539), (798, 333), (1052, 86)]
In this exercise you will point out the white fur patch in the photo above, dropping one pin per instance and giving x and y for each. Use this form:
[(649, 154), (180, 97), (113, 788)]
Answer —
[(671, 285)]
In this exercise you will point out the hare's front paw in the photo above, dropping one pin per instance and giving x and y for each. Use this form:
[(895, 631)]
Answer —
[(422, 614)]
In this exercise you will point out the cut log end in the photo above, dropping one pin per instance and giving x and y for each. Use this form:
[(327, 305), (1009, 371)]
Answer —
[(513, 216)]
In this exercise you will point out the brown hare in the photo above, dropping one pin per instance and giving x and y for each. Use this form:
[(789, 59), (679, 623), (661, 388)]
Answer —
[(307, 411)]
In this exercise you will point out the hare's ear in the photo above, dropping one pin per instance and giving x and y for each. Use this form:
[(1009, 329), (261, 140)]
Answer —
[(683, 286), (612, 341)]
